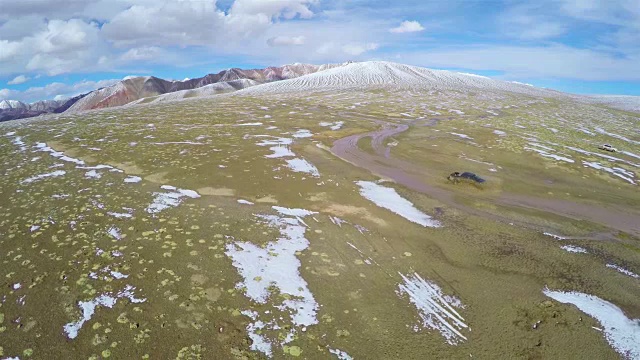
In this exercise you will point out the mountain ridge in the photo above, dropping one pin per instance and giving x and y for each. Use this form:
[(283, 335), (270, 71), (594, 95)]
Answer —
[(289, 78)]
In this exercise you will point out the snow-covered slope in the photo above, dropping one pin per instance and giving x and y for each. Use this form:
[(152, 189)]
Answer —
[(622, 102), (12, 104), (211, 89), (389, 75)]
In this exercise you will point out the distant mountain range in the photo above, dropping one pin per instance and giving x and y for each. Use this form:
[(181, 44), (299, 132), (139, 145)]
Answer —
[(290, 78), (131, 89)]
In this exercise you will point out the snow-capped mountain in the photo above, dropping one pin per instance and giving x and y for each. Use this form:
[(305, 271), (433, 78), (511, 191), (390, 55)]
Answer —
[(393, 76), (136, 88), (13, 109), (290, 78)]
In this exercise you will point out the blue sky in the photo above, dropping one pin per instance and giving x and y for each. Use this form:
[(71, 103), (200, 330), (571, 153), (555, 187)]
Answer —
[(60, 48)]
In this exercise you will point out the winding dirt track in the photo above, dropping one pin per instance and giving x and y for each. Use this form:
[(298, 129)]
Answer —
[(407, 174)]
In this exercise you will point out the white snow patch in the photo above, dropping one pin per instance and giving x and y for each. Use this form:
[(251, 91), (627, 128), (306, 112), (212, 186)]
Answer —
[(170, 198), (245, 202), (435, 309), (389, 199), (548, 155), (250, 124), (118, 275), (623, 271), (115, 233), (132, 179), (89, 308), (120, 215), (574, 249), (34, 228), (279, 146), (276, 266), (464, 136), (622, 333), (616, 171), (280, 151), (499, 132), (302, 165), (332, 125), (293, 212), (341, 355), (58, 154), (302, 133), (56, 173), (92, 174), (557, 237)]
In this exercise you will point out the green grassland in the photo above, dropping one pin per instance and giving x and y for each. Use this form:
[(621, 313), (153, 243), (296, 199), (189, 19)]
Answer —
[(54, 232)]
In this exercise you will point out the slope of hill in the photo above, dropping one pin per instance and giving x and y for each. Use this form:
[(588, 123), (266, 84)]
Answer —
[(132, 89), (622, 102), (211, 89), (389, 75)]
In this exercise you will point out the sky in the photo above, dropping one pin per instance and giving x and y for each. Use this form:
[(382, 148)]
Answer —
[(52, 49)]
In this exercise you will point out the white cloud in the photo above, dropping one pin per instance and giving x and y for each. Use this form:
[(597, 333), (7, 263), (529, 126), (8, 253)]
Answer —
[(285, 40), (54, 90), (407, 27), (142, 53), (199, 23), (530, 22), (60, 47), (20, 79), (554, 61), (358, 49), (287, 9)]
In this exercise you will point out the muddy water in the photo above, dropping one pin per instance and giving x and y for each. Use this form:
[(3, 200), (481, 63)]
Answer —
[(407, 174)]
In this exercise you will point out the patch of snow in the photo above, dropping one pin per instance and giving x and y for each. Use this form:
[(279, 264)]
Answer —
[(389, 199), (548, 155), (623, 271), (332, 125), (293, 212), (250, 124), (58, 154), (622, 333), (499, 132), (132, 179), (470, 74), (302, 133), (245, 202), (462, 135), (280, 151), (435, 309), (276, 265), (118, 275), (619, 172), (172, 197), (177, 143), (557, 237), (120, 215), (302, 165), (280, 147), (89, 307), (92, 175), (574, 249), (341, 355), (56, 173), (114, 232)]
